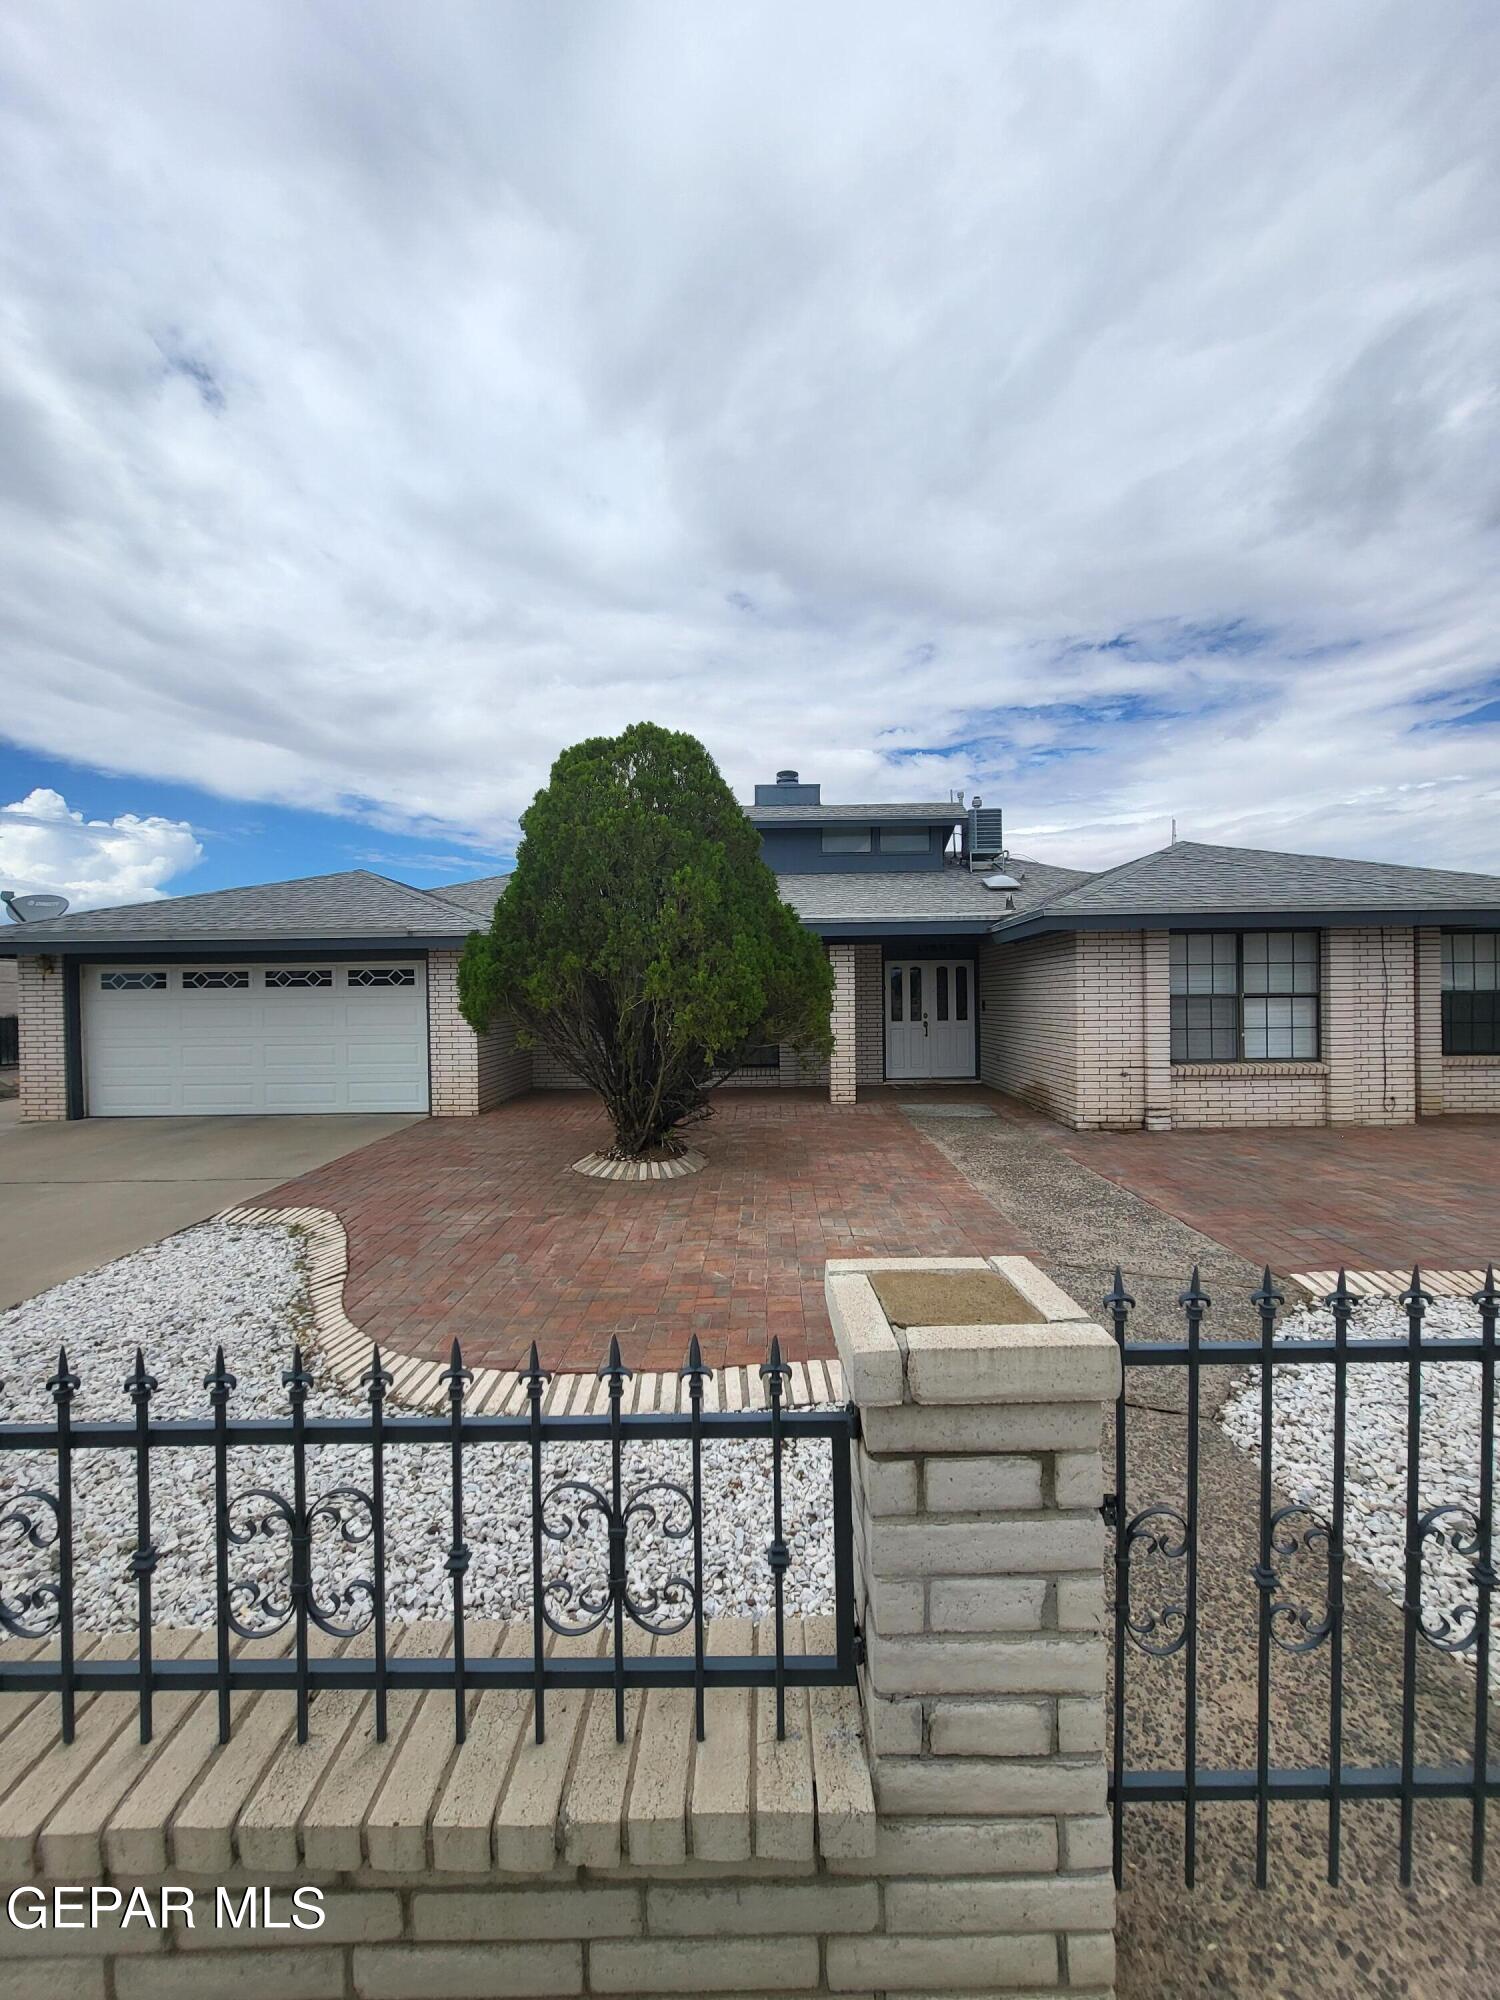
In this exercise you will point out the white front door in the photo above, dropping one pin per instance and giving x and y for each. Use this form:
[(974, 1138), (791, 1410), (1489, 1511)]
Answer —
[(164, 1039), (929, 1017)]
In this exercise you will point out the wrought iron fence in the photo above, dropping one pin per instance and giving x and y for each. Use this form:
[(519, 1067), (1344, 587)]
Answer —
[(1164, 1533), (40, 1521)]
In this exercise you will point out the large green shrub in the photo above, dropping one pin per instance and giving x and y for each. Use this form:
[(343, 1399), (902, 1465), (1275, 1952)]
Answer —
[(641, 939)]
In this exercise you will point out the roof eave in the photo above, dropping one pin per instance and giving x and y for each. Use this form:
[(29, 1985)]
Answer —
[(1480, 917), (113, 943), (880, 927)]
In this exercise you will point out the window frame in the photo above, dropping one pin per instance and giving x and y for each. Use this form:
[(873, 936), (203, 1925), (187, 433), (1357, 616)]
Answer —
[(1239, 997), (1469, 1038), (906, 840)]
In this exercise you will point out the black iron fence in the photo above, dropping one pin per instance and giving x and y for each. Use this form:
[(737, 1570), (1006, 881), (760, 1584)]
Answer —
[(1167, 1537), (39, 1521)]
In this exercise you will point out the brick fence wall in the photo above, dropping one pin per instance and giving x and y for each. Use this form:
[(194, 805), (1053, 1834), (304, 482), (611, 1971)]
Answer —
[(944, 1831)]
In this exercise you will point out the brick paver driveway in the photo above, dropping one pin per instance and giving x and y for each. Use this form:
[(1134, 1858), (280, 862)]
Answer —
[(476, 1228), (1320, 1197)]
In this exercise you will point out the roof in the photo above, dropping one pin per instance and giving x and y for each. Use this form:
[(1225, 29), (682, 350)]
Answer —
[(479, 896), (1192, 879), (353, 904), (945, 814), (928, 896)]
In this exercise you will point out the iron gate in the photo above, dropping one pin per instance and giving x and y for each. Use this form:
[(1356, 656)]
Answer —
[(1168, 1534)]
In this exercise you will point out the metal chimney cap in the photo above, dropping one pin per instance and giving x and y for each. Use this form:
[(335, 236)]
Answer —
[(786, 777)]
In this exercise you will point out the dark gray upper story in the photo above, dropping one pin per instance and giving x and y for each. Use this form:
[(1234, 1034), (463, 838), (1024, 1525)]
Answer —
[(802, 836)]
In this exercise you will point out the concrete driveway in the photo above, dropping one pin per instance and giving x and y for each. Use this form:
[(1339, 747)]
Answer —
[(74, 1195)]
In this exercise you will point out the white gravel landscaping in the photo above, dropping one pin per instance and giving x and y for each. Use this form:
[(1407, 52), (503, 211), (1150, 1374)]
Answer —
[(1375, 1464), (244, 1285)]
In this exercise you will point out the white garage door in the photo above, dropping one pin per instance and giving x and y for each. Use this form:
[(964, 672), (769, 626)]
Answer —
[(169, 1039)]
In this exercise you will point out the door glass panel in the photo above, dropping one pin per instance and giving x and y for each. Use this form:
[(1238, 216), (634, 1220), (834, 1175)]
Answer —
[(895, 993), (940, 978), (916, 993), (960, 993)]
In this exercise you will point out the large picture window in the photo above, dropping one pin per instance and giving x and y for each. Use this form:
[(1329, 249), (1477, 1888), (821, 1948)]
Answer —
[(1244, 996), (1471, 993)]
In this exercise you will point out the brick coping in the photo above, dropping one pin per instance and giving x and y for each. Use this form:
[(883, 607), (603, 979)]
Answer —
[(417, 1383), (600, 1167)]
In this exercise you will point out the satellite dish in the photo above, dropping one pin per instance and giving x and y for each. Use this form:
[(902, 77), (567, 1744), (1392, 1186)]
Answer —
[(34, 909)]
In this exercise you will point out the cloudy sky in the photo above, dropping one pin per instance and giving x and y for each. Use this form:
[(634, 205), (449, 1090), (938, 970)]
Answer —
[(1096, 407)]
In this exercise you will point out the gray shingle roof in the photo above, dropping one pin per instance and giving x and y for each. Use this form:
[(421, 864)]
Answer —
[(946, 814), (932, 894), (479, 896), (1192, 878), (352, 904)]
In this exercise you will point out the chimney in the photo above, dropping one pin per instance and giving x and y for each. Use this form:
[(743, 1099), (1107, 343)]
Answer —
[(788, 790)]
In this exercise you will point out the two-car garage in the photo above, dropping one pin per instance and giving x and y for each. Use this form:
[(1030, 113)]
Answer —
[(165, 1040)]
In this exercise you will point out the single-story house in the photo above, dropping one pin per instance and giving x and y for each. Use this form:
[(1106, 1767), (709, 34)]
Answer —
[(1197, 986)]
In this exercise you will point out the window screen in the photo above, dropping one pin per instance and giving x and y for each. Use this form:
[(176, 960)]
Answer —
[(904, 840), (846, 840)]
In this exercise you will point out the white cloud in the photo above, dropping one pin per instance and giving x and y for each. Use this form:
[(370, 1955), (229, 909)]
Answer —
[(386, 401), (45, 847)]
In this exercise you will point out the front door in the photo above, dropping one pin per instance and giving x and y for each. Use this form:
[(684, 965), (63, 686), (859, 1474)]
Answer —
[(929, 1017)]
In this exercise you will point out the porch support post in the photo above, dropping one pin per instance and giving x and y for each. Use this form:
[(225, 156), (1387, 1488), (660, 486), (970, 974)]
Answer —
[(841, 1069), (979, 1552)]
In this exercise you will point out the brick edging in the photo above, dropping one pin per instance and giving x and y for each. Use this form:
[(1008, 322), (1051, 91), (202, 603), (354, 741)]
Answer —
[(417, 1383)]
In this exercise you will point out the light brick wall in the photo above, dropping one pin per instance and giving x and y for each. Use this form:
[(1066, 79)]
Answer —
[(842, 1070), (1112, 1021), (1427, 1003), (1028, 1022), (1472, 1084), (42, 1018), (980, 1565), (1222, 1095), (1369, 1025), (470, 1073), (504, 1067)]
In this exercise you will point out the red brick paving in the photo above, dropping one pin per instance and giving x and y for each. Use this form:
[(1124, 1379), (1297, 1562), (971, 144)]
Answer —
[(1308, 1199), (477, 1228)]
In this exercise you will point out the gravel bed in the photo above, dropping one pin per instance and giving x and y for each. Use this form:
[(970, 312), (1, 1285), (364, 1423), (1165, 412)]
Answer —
[(245, 1285), (1375, 1463)]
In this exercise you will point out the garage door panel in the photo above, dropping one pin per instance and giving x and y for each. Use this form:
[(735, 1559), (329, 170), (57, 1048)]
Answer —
[(315, 1047)]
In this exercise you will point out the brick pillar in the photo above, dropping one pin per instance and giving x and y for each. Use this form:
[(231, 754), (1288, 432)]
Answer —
[(42, 1026), (980, 1553), (1156, 1028), (841, 1069), (1429, 1005), (452, 1046)]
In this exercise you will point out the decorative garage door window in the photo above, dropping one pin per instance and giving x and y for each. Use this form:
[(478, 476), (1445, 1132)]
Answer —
[(215, 982), (300, 976), (132, 982), (382, 975)]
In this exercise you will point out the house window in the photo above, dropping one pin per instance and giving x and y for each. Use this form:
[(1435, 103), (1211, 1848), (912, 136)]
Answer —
[(761, 1055), (215, 982), (299, 976), (1471, 993), (846, 840), (904, 840), (1244, 996), (132, 982), (382, 975)]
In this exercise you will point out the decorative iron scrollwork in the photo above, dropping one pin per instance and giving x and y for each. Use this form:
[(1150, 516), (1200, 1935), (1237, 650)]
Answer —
[(1297, 1530), (574, 1608), (257, 1608), (1455, 1630), (29, 1520), (1156, 1534)]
